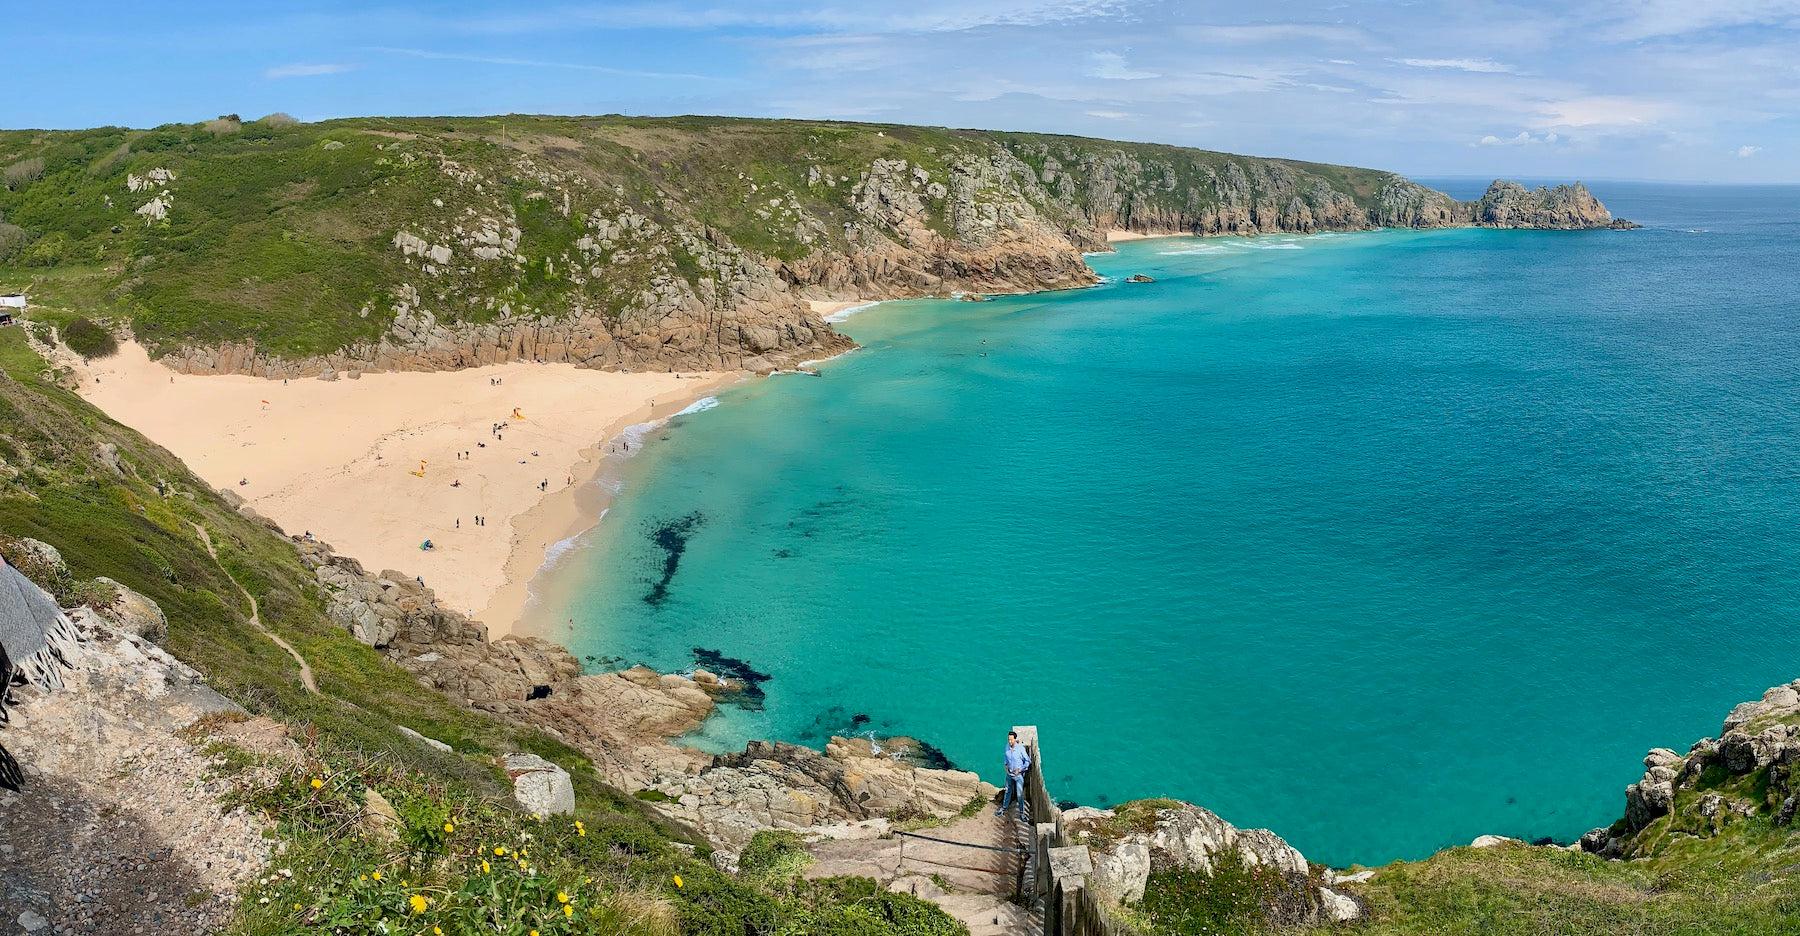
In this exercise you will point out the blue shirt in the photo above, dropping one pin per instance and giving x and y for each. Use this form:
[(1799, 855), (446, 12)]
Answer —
[(1017, 761)]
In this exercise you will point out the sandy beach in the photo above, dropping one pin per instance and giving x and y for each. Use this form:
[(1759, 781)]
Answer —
[(376, 466), (1116, 236)]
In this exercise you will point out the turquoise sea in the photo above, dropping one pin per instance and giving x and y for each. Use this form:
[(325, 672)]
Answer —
[(1383, 541)]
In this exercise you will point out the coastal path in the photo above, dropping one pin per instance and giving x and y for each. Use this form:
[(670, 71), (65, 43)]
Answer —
[(306, 673), (972, 868)]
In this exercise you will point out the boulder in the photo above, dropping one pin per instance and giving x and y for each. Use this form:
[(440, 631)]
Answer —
[(134, 613), (541, 787), (379, 820), (1120, 873)]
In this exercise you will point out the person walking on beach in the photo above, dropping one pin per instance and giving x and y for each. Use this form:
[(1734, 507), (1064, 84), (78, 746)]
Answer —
[(1018, 760)]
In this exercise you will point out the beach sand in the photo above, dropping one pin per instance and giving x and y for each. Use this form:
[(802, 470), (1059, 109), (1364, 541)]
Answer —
[(1116, 236), (825, 310), (368, 465)]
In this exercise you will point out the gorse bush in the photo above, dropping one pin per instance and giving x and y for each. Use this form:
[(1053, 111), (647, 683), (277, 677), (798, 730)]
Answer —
[(89, 340)]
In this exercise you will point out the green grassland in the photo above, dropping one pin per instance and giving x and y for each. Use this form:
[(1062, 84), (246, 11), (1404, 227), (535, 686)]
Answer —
[(282, 233)]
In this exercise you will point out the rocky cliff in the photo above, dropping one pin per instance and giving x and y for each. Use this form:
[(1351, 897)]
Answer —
[(624, 721), (686, 243), (1748, 774)]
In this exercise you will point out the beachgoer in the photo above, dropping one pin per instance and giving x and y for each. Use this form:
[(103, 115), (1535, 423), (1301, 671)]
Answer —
[(1017, 762), (458, 519)]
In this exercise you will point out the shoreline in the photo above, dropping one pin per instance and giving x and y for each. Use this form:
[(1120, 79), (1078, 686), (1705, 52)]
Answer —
[(375, 466), (1120, 236), (573, 511)]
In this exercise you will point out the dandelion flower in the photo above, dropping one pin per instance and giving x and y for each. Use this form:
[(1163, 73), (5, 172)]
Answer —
[(449, 827), (437, 931), (678, 881), (418, 902), (568, 911), (562, 897), (484, 867), (362, 877), (296, 906), (375, 875), (499, 849), (316, 783)]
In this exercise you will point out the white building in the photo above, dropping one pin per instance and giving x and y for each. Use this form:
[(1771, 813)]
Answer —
[(13, 301)]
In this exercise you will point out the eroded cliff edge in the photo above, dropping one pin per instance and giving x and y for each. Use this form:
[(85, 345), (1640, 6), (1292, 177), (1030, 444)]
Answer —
[(667, 244)]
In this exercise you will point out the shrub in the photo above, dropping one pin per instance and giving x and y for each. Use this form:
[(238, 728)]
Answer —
[(774, 855), (89, 340), (23, 171), (1236, 897), (279, 119)]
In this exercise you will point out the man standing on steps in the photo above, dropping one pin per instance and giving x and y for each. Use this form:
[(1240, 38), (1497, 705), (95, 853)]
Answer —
[(1017, 762)]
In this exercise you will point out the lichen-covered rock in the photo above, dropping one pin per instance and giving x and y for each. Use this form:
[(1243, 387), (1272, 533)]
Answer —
[(1184, 836), (785, 786), (541, 787), (1757, 736), (134, 613)]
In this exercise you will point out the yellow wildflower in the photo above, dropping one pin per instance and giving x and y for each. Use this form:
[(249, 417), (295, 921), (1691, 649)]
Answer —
[(499, 849), (437, 931), (678, 881), (296, 906), (449, 827), (484, 867), (362, 877), (568, 911), (376, 875), (418, 902), (562, 897), (316, 783)]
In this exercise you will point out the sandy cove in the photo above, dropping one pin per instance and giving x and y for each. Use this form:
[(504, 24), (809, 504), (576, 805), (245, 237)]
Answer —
[(373, 465), (1116, 236)]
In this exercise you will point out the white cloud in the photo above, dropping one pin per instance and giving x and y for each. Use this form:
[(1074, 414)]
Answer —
[(1656, 18), (1745, 152), (1600, 111), (1110, 114), (1524, 138), (1112, 65), (302, 70), (1468, 65)]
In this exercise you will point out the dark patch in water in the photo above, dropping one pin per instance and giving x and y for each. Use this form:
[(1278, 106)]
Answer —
[(930, 755), (672, 538), (784, 554), (1066, 804), (749, 694), (858, 720)]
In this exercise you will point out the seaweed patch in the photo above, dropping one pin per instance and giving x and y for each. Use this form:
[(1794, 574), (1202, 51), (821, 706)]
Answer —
[(749, 694), (672, 538)]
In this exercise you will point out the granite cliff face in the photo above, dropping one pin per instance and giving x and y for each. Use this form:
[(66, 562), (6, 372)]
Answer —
[(672, 244)]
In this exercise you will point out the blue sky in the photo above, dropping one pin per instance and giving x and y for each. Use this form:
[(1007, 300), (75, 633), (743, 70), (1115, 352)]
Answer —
[(1703, 90)]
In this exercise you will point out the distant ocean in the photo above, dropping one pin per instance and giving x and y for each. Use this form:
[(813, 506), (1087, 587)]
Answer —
[(1383, 541)]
